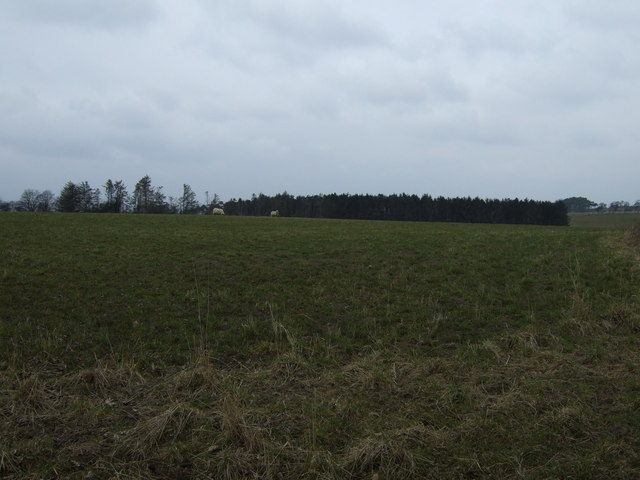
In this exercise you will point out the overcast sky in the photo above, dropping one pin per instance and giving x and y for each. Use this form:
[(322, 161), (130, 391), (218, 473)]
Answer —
[(488, 98)]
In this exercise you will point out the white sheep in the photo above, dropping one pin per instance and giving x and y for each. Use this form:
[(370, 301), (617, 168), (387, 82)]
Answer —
[(218, 211), (275, 213)]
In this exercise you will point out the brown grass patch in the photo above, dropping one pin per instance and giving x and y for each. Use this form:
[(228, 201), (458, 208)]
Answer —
[(632, 236), (154, 428), (237, 429), (109, 376), (391, 454), (199, 374)]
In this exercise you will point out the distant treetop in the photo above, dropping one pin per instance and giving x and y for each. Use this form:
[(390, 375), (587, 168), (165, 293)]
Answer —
[(579, 204)]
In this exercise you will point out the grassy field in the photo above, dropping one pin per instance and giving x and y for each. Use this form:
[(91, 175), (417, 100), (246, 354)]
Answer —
[(226, 347), (604, 220)]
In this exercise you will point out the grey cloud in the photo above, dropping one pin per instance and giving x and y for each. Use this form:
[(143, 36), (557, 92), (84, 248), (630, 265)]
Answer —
[(86, 130), (316, 26), (362, 96), (277, 32), (84, 13), (411, 90), (44, 130), (473, 132), (612, 18), (497, 39)]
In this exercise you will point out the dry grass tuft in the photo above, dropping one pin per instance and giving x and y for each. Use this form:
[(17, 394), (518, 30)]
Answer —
[(168, 425), (503, 397), (359, 376), (321, 465), (580, 318), (387, 455), (367, 373), (632, 236), (108, 376), (198, 374), (621, 315), (526, 340), (404, 374), (29, 392), (7, 462), (283, 337), (495, 349), (289, 364), (239, 464), (581, 313), (379, 455), (237, 431), (27, 399)]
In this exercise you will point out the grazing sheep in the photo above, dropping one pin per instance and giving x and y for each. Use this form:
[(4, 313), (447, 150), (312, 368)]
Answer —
[(218, 211), (275, 213)]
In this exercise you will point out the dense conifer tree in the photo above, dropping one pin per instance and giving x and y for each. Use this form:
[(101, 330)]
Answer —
[(404, 207), (187, 202)]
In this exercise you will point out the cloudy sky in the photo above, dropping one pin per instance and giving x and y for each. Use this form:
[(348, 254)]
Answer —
[(488, 98)]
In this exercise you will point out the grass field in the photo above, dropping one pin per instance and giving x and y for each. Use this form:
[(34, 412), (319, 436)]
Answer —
[(141, 346), (604, 220)]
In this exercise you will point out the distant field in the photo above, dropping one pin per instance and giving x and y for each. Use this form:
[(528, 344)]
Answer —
[(142, 346), (604, 220)]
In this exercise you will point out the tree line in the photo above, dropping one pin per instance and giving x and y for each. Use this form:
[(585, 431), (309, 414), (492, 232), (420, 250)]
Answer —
[(404, 207), (114, 197), (584, 205)]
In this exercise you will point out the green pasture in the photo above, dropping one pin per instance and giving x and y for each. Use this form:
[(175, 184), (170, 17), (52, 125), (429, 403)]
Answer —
[(143, 346), (604, 220)]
